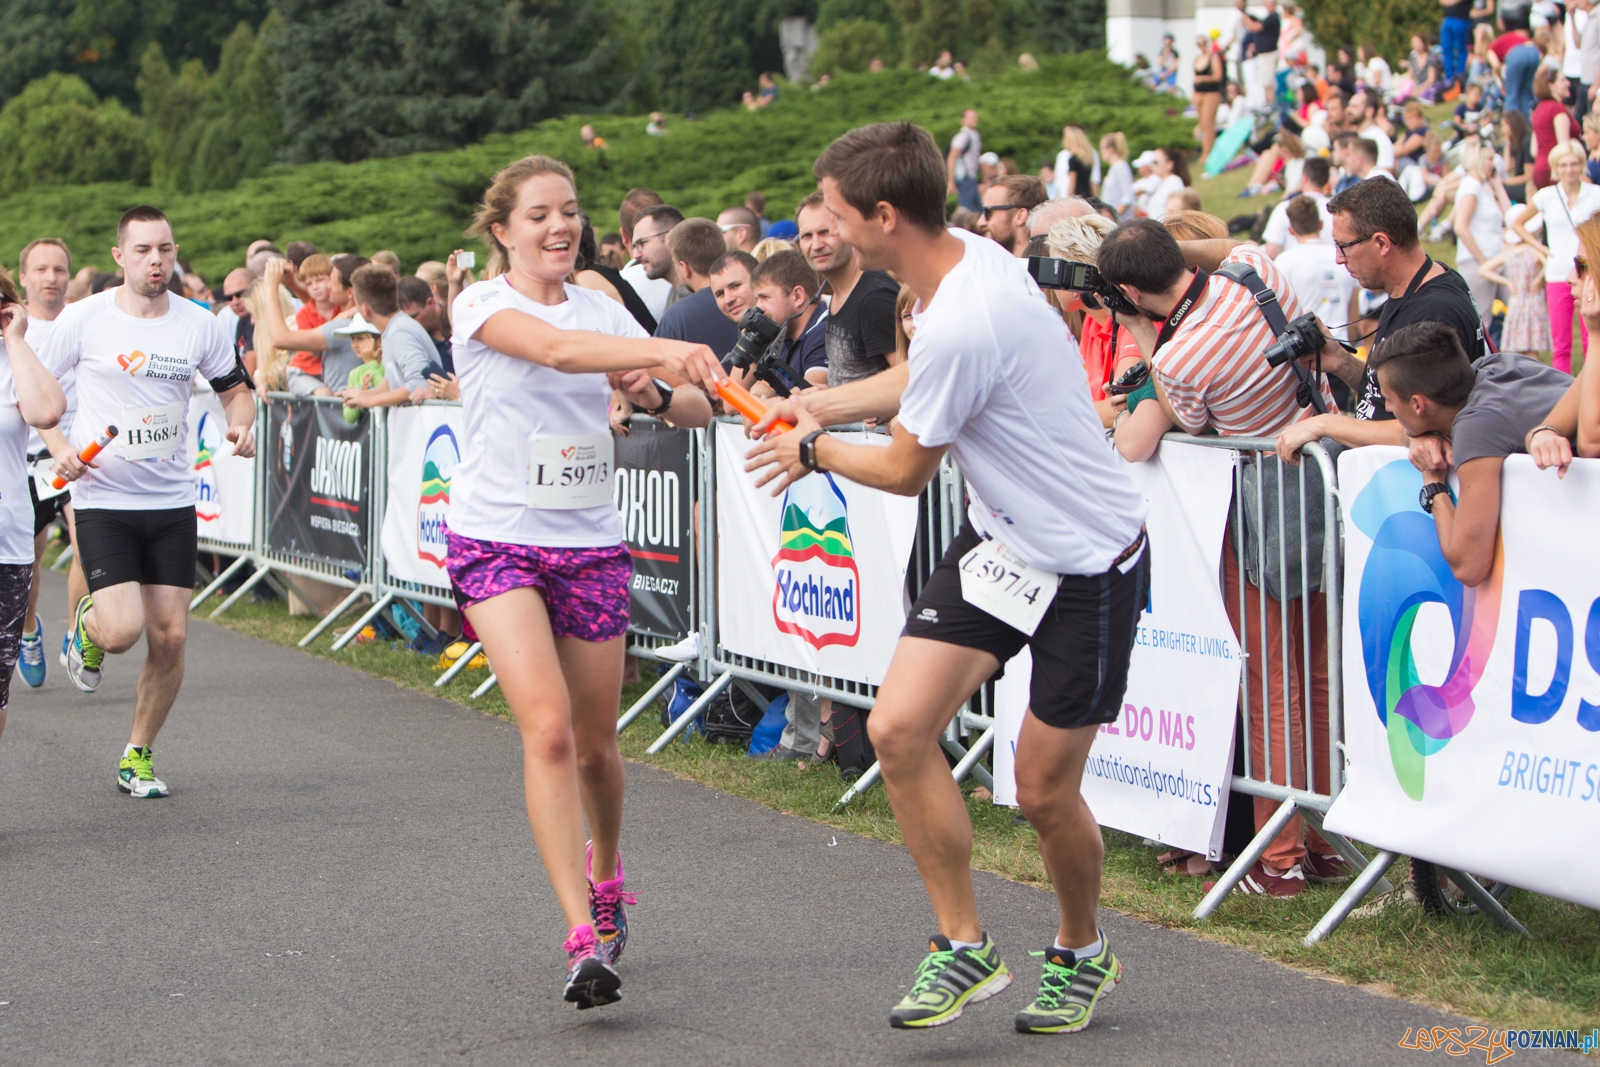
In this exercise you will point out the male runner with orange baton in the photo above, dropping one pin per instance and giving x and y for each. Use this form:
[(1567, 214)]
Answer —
[(986, 381), (86, 457), (136, 348)]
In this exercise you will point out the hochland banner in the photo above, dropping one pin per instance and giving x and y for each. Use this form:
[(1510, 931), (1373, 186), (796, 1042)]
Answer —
[(1472, 716), (1162, 769), (424, 450), (654, 494), (224, 484), (814, 578), (319, 500)]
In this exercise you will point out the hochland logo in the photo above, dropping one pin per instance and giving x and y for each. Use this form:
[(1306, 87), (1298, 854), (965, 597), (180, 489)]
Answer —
[(1404, 571), (439, 461), (817, 595), (207, 501)]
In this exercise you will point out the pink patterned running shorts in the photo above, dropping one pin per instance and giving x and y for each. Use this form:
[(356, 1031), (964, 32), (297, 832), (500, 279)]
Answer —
[(585, 589)]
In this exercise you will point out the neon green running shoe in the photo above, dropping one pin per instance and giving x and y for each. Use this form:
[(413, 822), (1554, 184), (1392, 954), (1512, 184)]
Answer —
[(1069, 990), (136, 777), (948, 980), (83, 655)]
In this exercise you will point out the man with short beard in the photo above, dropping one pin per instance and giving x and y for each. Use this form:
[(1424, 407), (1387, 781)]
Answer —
[(136, 349), (44, 270), (861, 303), (730, 284)]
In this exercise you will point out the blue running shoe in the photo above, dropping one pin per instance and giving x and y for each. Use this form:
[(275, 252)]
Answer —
[(30, 664)]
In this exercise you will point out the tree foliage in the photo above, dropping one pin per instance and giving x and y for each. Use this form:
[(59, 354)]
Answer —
[(1386, 25), (704, 53), (382, 78), (850, 46), (56, 131)]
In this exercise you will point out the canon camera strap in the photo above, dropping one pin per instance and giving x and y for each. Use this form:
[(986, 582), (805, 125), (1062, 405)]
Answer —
[(1309, 394), (1191, 297)]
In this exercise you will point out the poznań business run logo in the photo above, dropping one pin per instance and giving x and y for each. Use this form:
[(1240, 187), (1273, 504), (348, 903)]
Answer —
[(817, 589), (439, 460), (1405, 570)]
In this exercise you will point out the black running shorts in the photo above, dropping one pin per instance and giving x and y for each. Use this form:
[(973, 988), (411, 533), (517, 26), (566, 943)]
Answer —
[(45, 511), (1080, 650), (148, 547)]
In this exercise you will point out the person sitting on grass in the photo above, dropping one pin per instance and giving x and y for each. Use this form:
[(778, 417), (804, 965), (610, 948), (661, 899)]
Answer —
[(367, 382)]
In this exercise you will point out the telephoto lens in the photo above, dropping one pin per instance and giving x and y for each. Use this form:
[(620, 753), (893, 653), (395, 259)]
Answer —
[(756, 333)]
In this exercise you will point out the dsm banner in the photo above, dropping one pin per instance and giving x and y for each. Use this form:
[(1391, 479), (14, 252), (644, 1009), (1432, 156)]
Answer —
[(1162, 769), (319, 499), (1472, 716), (654, 494), (814, 578), (224, 484), (424, 450)]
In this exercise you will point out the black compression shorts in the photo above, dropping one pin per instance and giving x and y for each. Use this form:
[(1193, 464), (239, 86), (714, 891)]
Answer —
[(1080, 650), (45, 511), (148, 547)]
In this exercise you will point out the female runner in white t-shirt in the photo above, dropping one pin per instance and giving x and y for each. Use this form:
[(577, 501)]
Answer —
[(535, 544), (29, 396)]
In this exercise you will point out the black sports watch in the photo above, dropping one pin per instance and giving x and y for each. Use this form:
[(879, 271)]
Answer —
[(808, 449), (666, 399), (1429, 491)]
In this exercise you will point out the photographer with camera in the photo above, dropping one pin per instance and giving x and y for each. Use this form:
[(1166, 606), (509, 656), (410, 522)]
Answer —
[(785, 289), (1107, 349), (1375, 233)]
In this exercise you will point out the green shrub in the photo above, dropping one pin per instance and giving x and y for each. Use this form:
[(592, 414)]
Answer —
[(849, 47), (418, 205), (1386, 25), (57, 131)]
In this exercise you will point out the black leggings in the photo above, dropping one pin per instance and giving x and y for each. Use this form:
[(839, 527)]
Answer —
[(15, 581)]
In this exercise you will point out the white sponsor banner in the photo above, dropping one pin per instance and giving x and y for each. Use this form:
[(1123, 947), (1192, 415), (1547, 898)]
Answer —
[(224, 484), (1472, 716), (813, 578), (424, 449), (1162, 769)]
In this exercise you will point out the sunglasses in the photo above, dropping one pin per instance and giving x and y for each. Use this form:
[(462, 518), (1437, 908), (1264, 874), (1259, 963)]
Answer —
[(1003, 207), (1581, 265), (234, 296)]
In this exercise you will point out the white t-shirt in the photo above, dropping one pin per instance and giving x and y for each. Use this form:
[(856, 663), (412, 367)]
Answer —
[(38, 332), (134, 374), (1560, 221), (506, 400), (1277, 231), (986, 379), (1323, 286), (16, 507), (655, 292), (1158, 205), (1385, 147), (1487, 222)]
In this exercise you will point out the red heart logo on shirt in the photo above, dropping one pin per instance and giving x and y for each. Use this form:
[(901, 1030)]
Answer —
[(132, 363), (569, 452)]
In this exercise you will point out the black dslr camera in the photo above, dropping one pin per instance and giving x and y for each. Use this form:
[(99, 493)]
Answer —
[(756, 334), (1082, 278), (1301, 337)]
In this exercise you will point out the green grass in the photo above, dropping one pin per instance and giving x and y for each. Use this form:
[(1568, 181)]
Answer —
[(418, 205), (1468, 966)]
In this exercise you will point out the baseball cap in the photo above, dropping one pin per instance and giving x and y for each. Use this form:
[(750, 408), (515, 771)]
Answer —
[(1146, 158), (359, 325), (784, 230)]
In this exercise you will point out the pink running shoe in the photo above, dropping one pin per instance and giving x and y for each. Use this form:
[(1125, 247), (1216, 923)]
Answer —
[(590, 980), (606, 900)]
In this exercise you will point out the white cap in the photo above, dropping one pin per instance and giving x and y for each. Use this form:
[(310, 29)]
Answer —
[(359, 325), (989, 158), (1315, 138), (1146, 158)]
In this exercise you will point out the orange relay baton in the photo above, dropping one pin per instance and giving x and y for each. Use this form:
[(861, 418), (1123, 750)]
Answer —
[(90, 450), (740, 399)]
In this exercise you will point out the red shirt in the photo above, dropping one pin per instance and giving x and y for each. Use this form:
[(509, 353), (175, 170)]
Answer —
[(1506, 42), (1098, 361), (308, 318)]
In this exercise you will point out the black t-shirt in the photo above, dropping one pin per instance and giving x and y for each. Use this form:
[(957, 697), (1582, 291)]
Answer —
[(861, 331), (1445, 299), (244, 337), (1083, 174), (1266, 37), (1462, 11)]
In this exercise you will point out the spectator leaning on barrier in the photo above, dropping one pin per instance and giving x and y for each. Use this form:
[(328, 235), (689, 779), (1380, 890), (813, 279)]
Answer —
[(1375, 235), (860, 303), (1107, 349), (409, 357), (338, 359), (304, 373), (695, 245), (1477, 415), (1006, 205), (417, 300), (1209, 372)]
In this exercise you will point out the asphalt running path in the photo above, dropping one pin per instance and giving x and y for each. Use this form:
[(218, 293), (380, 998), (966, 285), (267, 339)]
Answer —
[(344, 875)]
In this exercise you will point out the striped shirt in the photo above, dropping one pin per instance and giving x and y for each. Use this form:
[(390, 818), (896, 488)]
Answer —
[(1212, 369)]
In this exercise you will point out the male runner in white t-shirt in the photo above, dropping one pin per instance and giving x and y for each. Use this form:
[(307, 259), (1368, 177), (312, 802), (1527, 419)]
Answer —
[(1051, 515), (136, 348)]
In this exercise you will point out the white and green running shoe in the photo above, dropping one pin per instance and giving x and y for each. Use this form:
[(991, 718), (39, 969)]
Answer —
[(136, 777), (83, 655), (948, 980), (1069, 990)]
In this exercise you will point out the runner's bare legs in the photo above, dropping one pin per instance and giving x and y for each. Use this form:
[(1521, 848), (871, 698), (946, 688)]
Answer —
[(564, 693), (1049, 770), (926, 685), (121, 613)]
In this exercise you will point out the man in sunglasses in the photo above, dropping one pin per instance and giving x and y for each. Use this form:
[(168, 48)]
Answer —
[(235, 319), (1006, 205), (1375, 237)]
